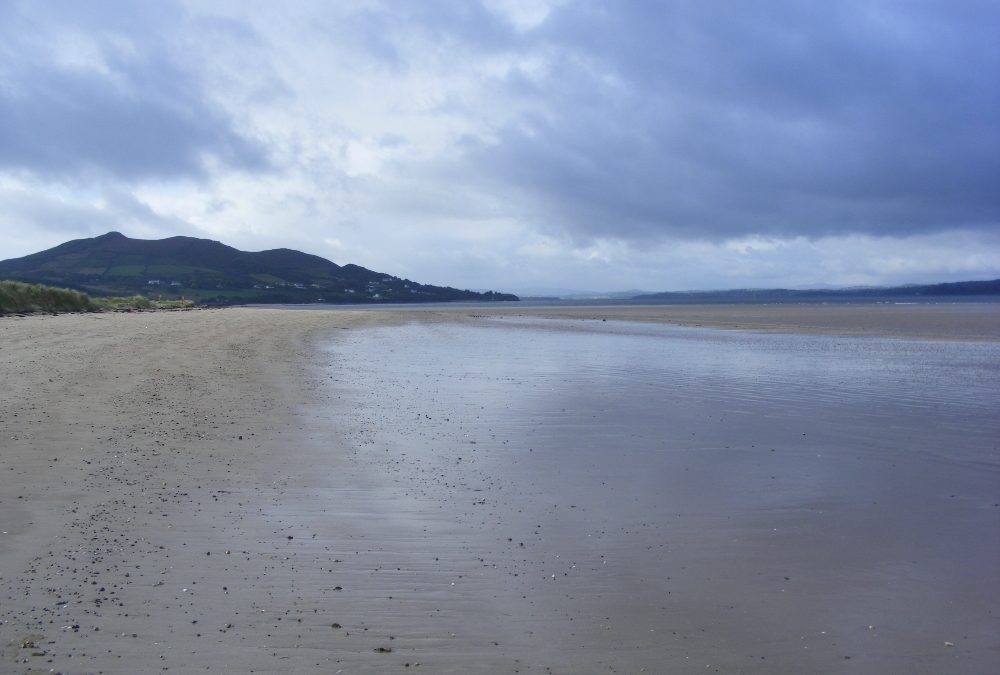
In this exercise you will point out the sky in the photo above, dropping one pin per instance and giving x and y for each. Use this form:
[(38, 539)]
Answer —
[(517, 144)]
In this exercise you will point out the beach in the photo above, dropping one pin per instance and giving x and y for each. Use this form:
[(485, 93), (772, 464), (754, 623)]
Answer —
[(261, 490)]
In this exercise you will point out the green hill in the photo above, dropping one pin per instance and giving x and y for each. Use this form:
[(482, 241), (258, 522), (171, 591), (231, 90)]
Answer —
[(212, 273)]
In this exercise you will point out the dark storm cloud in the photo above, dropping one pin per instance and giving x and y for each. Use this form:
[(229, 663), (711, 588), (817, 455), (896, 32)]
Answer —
[(783, 118), (93, 87), (630, 119)]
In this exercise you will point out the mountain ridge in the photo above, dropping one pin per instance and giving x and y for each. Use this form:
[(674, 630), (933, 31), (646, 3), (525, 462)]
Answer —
[(214, 273), (954, 288)]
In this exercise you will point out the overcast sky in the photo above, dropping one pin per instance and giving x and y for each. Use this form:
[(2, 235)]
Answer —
[(517, 144)]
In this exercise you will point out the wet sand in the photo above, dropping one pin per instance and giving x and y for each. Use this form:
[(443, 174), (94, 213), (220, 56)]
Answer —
[(223, 491), (940, 321), (140, 453)]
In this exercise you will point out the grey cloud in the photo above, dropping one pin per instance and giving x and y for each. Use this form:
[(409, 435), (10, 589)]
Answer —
[(383, 32), (654, 120), (142, 114), (706, 120), (33, 209)]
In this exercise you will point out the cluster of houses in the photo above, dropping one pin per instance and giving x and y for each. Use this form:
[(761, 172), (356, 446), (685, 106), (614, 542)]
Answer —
[(285, 284), (373, 289)]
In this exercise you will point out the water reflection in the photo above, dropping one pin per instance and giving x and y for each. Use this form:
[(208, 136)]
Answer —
[(818, 483)]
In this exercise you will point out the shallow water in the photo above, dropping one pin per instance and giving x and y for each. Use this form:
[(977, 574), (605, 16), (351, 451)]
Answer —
[(614, 496)]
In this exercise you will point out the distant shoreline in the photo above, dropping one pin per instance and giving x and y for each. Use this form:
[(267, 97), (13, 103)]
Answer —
[(945, 320), (971, 321)]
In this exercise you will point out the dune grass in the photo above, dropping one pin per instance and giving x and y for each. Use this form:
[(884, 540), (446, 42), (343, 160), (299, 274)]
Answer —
[(138, 303), (21, 298), (130, 303)]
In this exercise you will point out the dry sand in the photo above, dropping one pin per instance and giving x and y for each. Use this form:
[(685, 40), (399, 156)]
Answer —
[(158, 492)]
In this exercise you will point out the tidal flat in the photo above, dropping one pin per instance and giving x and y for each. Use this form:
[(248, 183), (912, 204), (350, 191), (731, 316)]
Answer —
[(618, 496), (501, 490)]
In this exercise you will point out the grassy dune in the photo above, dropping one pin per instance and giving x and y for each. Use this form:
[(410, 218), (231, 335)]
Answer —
[(21, 298)]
